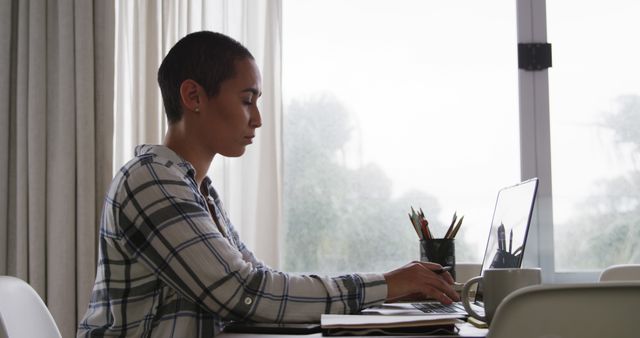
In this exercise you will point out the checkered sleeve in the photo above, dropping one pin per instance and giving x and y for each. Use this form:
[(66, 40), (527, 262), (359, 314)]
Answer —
[(165, 224)]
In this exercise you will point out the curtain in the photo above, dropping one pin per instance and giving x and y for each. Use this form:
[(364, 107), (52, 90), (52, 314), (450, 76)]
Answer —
[(56, 121), (145, 31)]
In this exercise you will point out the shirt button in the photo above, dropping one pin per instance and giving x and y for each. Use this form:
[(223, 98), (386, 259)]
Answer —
[(248, 301)]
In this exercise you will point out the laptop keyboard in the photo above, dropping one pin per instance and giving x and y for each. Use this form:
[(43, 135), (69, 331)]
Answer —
[(433, 307)]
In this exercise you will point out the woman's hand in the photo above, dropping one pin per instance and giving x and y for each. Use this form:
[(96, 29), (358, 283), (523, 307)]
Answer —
[(420, 280)]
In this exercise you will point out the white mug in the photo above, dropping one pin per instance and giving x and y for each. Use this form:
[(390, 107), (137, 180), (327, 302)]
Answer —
[(496, 285)]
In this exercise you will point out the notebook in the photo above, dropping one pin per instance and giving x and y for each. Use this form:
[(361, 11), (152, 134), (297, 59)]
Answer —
[(507, 238), (375, 325)]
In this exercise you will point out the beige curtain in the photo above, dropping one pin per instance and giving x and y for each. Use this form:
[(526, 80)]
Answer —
[(56, 113), (146, 30)]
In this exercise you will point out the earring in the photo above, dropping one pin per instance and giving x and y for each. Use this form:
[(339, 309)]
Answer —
[(197, 110)]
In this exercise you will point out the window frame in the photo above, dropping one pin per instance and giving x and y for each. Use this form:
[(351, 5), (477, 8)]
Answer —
[(535, 148)]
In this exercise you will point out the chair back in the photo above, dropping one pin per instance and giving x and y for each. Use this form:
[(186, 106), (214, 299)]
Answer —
[(568, 311), (23, 314), (3, 331), (621, 272)]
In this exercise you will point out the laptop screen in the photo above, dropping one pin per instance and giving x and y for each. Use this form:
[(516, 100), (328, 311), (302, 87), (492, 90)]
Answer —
[(510, 226)]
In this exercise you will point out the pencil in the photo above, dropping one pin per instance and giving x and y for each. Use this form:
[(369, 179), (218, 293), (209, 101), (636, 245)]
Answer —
[(443, 270), (453, 223), (455, 230), (510, 240), (415, 227)]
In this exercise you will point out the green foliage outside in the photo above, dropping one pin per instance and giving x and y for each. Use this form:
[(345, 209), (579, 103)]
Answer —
[(340, 218), (606, 229)]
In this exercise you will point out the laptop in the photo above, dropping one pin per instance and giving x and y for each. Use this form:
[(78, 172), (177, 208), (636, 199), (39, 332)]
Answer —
[(506, 242)]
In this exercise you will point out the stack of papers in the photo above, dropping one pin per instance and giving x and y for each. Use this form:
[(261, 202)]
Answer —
[(364, 324)]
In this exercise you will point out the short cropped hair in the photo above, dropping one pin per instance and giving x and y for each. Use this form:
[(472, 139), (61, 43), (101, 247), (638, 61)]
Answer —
[(207, 58)]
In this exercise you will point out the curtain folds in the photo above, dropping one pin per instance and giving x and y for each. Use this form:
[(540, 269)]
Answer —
[(59, 143), (56, 92), (146, 30)]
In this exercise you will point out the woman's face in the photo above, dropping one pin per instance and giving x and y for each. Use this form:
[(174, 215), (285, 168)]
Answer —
[(229, 120)]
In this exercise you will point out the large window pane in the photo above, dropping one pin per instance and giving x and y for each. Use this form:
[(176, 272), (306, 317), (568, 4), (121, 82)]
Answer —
[(595, 132), (392, 104)]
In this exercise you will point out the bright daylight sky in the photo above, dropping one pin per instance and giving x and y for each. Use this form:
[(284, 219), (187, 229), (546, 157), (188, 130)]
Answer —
[(422, 98), (433, 85)]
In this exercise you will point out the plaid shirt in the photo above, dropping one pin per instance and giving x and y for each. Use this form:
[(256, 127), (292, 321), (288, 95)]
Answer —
[(171, 264)]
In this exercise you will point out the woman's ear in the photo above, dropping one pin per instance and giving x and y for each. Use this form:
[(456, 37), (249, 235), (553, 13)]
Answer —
[(190, 95)]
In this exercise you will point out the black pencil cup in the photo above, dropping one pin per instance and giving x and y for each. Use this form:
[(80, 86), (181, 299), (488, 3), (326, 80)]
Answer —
[(441, 251)]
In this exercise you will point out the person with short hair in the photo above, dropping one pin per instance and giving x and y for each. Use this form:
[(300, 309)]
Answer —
[(170, 262)]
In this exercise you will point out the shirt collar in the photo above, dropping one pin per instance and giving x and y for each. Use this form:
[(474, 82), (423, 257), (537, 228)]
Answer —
[(164, 152)]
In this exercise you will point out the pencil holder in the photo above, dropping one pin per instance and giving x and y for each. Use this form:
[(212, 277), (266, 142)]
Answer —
[(441, 251)]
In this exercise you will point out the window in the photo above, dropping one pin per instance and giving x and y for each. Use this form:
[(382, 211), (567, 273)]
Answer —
[(595, 119), (388, 105), (393, 104)]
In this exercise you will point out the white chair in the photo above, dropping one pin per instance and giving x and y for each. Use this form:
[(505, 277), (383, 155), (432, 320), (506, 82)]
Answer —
[(22, 313), (3, 331), (621, 272), (569, 310)]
